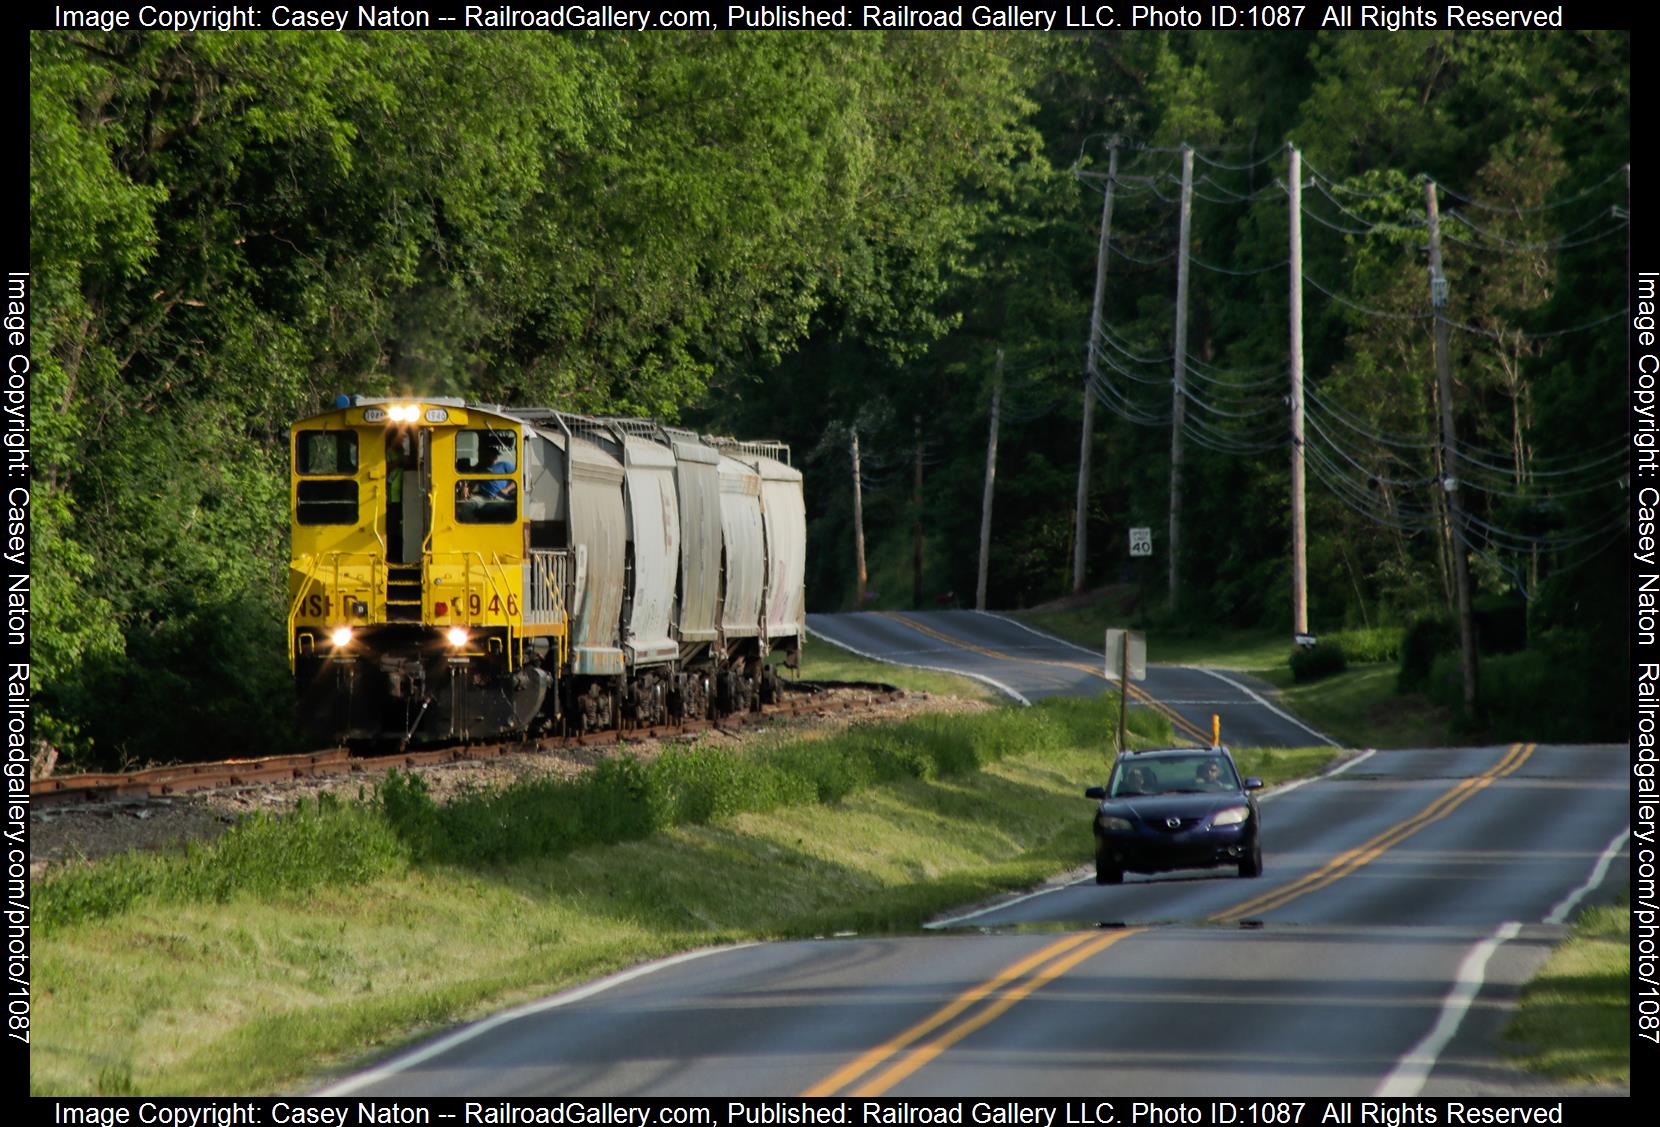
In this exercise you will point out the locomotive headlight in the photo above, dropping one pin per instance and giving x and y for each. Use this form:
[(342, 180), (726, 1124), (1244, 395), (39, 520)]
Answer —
[(457, 637), (342, 636)]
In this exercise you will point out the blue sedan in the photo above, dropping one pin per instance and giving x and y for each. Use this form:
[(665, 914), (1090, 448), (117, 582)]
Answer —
[(1182, 808)]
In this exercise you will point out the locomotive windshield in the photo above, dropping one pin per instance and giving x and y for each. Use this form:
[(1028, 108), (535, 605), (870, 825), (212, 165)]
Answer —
[(326, 452), (486, 451)]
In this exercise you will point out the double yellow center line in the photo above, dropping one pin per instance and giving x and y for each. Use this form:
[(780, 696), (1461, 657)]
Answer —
[(1350, 860), (1181, 722), (887, 1064), (876, 1071)]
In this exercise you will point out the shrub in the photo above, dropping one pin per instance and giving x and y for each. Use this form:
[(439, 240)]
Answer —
[(1310, 663), (1425, 641)]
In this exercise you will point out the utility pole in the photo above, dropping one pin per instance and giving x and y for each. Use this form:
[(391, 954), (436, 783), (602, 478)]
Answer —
[(1178, 404), (1449, 444), (1080, 536), (916, 524), (1299, 526), (858, 524), (991, 476)]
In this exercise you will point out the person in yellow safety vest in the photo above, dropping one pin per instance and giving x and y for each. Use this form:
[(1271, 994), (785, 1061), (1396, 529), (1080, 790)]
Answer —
[(396, 451)]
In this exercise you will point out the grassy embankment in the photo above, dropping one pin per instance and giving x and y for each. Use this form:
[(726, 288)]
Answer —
[(297, 943)]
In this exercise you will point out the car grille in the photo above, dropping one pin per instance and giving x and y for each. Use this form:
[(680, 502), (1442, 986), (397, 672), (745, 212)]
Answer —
[(1163, 824)]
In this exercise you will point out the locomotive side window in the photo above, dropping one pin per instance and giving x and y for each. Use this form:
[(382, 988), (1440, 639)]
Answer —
[(495, 501), (326, 452), (486, 451), (326, 502)]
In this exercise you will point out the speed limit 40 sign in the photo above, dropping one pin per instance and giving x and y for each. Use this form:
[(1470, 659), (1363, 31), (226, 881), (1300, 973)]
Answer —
[(1141, 541)]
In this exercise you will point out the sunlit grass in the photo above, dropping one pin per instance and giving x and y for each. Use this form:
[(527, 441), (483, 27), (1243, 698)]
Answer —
[(1574, 1021), (826, 661)]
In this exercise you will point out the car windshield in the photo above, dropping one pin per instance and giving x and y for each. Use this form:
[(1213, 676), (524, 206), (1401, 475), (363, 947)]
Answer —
[(1195, 773)]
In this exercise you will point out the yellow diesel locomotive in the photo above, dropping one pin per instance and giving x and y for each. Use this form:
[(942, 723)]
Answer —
[(463, 571)]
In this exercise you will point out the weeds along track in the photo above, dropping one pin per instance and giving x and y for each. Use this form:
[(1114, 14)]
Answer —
[(183, 778)]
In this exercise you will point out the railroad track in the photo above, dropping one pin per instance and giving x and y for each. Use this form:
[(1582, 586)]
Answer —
[(183, 778)]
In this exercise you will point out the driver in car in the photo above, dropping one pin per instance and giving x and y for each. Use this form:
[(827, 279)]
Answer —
[(1208, 775)]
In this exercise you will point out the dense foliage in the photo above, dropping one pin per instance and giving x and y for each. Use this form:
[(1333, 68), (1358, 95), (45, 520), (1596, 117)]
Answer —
[(803, 236)]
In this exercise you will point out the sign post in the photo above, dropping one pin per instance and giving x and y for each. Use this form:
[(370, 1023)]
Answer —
[(1130, 649)]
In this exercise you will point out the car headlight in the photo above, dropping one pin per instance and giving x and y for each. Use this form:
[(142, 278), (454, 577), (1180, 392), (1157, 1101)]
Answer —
[(1231, 817), (1117, 825)]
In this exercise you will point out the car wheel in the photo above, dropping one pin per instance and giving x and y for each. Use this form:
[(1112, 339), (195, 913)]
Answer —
[(1107, 874), (1251, 866)]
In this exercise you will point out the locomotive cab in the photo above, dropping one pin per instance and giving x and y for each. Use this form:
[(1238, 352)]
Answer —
[(411, 576)]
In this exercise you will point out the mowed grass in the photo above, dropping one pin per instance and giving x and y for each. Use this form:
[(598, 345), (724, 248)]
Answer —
[(258, 993), (1360, 707), (225, 969), (1247, 650), (1574, 1022), (826, 661)]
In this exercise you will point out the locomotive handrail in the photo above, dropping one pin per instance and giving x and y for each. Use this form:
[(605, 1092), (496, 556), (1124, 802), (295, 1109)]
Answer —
[(299, 599), (548, 568), (374, 525)]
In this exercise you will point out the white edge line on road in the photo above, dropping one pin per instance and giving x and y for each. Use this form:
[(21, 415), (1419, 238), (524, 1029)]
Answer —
[(1001, 904), (1044, 634), (1559, 914), (998, 685), (1281, 713), (468, 1032), (1409, 1074)]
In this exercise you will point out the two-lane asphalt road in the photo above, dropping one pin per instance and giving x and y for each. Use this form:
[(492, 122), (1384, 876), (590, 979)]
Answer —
[(1028, 665), (1405, 898)]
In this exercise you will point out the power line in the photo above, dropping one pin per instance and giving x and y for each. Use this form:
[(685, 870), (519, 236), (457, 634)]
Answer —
[(1259, 162), (1362, 308), (1318, 401), (1563, 241), (1509, 209), (1197, 261)]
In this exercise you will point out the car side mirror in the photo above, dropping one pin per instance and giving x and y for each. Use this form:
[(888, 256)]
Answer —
[(1253, 783), (1096, 792)]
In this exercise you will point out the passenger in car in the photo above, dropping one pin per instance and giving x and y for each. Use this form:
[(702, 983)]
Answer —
[(1137, 780)]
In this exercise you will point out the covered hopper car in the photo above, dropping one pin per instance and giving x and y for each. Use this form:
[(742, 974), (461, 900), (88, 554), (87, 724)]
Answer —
[(462, 571)]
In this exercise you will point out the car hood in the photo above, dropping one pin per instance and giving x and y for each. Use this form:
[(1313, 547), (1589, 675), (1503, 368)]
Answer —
[(1161, 806)]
